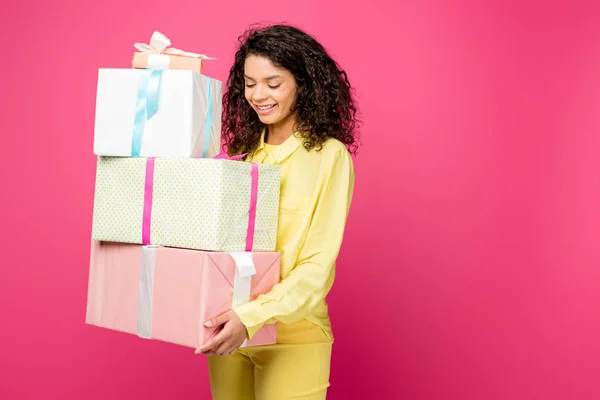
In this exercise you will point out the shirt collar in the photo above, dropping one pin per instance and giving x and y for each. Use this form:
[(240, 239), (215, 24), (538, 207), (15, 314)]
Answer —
[(285, 149)]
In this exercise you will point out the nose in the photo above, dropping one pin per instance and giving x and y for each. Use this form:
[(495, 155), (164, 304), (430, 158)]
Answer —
[(259, 94)]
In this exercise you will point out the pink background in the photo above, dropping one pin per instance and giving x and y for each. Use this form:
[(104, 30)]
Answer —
[(471, 266)]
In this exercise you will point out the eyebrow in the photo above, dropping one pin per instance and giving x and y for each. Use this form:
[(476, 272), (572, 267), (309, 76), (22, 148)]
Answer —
[(268, 78)]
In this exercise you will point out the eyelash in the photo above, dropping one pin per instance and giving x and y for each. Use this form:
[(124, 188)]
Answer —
[(254, 84)]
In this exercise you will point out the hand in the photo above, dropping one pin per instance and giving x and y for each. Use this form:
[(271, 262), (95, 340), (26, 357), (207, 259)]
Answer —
[(230, 337)]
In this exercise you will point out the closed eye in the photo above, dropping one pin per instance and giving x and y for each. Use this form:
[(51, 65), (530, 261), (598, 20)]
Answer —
[(251, 85)]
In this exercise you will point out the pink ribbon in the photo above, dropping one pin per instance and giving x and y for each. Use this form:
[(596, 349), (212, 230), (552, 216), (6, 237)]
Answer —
[(149, 189), (253, 197), (224, 156), (252, 212)]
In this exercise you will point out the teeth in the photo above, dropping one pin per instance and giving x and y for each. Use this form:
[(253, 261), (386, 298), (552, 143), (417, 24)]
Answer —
[(265, 107)]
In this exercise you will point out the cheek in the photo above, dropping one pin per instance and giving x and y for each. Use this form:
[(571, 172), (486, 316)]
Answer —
[(287, 98)]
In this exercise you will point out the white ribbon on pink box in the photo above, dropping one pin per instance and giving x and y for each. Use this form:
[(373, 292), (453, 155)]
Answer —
[(245, 268)]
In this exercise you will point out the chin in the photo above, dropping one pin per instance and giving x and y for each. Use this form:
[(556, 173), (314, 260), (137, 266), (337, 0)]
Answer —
[(268, 120)]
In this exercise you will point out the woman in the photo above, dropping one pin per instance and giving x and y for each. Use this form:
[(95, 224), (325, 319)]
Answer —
[(289, 104)]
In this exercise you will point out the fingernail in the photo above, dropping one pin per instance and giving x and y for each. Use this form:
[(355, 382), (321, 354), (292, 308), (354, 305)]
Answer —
[(208, 324)]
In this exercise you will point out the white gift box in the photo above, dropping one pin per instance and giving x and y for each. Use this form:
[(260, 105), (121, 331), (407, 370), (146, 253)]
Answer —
[(157, 113)]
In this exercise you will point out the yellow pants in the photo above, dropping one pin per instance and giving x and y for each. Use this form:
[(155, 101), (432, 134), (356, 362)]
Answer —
[(297, 367)]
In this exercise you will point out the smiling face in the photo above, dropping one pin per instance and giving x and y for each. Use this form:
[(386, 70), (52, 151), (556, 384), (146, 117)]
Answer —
[(270, 90)]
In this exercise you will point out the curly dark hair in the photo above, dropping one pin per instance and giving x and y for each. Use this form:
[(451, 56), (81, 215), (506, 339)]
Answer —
[(324, 103)]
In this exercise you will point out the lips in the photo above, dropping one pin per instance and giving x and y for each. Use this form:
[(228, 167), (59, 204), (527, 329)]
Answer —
[(265, 109)]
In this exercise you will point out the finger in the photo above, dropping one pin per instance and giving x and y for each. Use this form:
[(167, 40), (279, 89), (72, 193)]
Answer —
[(222, 338), (222, 350), (206, 348), (212, 352), (229, 348), (209, 347), (226, 341), (215, 352), (213, 343), (234, 348), (219, 320)]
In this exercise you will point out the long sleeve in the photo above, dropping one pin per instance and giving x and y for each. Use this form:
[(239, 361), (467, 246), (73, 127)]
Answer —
[(312, 277)]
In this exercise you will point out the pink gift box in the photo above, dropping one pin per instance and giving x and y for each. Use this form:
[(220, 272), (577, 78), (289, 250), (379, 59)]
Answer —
[(145, 60), (167, 293)]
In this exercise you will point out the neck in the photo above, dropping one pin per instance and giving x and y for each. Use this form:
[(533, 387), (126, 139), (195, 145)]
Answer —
[(280, 132)]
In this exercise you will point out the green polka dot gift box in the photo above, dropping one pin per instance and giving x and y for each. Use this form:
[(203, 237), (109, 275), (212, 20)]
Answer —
[(194, 203)]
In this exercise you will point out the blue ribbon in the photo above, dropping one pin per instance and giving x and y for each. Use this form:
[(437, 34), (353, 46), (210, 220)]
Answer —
[(209, 119), (146, 105)]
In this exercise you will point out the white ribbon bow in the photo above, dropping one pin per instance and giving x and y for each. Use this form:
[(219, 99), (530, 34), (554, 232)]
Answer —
[(159, 44)]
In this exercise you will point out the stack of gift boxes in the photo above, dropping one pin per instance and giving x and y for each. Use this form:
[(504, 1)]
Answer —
[(181, 233)]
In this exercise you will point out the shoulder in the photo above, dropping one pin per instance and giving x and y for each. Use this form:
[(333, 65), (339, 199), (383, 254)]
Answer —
[(333, 158), (334, 145), (336, 153), (331, 149), (332, 154)]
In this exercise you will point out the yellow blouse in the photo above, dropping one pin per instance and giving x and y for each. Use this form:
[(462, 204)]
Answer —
[(269, 148), (316, 192)]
